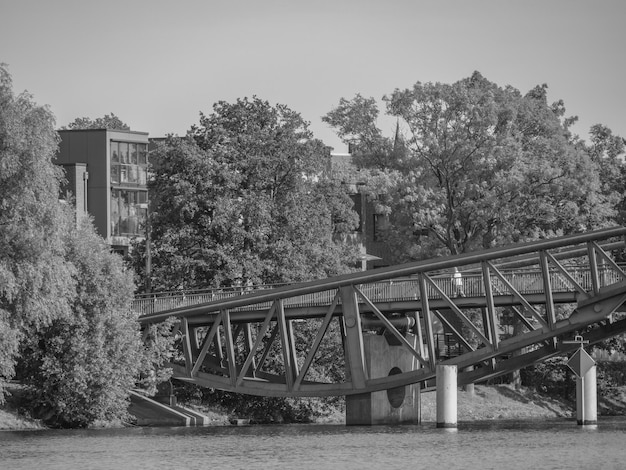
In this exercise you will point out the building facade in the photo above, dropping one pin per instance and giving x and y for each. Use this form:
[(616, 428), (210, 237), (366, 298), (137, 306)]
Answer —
[(107, 173)]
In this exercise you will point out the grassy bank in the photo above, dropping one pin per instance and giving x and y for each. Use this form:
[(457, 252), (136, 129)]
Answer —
[(13, 421), (499, 402), (505, 402), (486, 403)]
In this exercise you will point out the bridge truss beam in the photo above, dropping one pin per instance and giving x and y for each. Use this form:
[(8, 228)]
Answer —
[(307, 339)]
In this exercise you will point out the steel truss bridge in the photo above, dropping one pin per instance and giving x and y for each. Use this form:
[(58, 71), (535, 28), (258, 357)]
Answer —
[(269, 341)]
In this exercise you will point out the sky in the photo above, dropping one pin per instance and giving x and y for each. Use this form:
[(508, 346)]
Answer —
[(157, 64)]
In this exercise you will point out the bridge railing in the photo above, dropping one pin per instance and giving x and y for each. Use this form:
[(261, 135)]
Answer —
[(394, 290)]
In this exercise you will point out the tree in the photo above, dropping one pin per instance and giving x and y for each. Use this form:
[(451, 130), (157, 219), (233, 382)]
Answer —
[(65, 322), (35, 280), (557, 185), (81, 367), (608, 150), (245, 199), (355, 121), (108, 121), (477, 165)]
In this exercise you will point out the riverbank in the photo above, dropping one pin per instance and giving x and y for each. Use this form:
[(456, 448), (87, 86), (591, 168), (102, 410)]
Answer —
[(499, 402), (10, 416), (486, 403), (492, 402)]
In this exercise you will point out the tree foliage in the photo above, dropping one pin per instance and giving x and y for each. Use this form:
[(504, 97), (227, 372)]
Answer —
[(474, 165), (245, 199), (35, 280), (608, 151), (108, 121), (82, 366), (66, 328)]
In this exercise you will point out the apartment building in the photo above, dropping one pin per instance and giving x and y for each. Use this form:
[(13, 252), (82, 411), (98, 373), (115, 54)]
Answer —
[(107, 172)]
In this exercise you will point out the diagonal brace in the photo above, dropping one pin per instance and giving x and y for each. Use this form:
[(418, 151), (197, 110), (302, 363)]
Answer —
[(392, 329)]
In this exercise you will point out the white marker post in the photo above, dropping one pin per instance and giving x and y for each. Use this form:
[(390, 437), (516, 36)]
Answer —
[(583, 365)]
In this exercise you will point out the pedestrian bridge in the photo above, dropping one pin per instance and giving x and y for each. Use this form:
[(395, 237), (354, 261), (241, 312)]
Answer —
[(512, 306)]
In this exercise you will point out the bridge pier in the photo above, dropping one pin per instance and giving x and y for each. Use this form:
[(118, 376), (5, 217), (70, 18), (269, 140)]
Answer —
[(446, 396), (165, 394), (586, 398), (400, 405)]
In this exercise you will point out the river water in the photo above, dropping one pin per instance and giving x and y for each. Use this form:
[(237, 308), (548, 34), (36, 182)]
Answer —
[(503, 445)]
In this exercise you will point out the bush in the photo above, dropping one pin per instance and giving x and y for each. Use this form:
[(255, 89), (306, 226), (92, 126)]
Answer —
[(260, 410), (80, 368), (551, 377), (554, 378), (610, 375)]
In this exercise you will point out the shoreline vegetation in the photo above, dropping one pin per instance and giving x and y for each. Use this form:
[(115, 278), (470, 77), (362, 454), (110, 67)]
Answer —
[(488, 402)]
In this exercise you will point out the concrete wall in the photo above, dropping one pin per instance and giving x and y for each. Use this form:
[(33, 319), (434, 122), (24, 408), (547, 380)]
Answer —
[(395, 406), (75, 187), (90, 147)]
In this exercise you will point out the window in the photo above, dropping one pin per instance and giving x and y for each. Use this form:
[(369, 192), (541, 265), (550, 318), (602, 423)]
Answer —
[(129, 163), (142, 150), (124, 153), (115, 174), (143, 176), (123, 173), (380, 223), (115, 153), (128, 212), (133, 174), (358, 208)]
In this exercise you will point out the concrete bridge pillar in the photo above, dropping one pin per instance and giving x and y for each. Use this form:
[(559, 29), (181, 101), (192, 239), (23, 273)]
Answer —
[(165, 394), (586, 398), (446, 396), (400, 405)]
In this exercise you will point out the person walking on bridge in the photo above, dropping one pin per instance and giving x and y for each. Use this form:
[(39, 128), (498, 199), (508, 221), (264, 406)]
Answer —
[(457, 282)]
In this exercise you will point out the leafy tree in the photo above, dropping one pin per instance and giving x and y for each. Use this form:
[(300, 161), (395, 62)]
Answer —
[(245, 199), (108, 121), (355, 122), (608, 150), (605, 144), (561, 189), (474, 165), (82, 366), (66, 328), (35, 279)]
